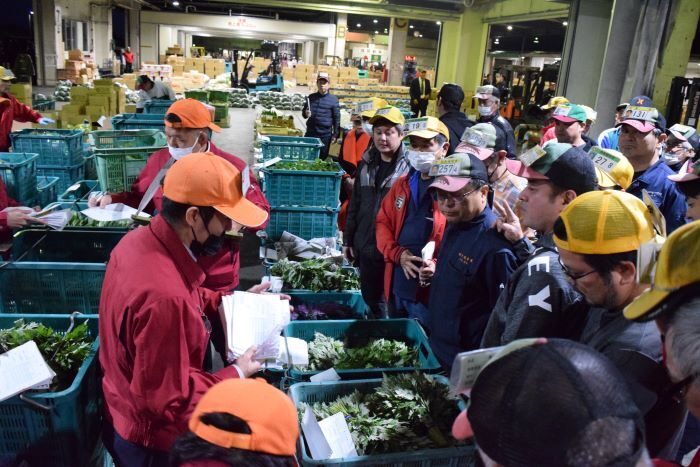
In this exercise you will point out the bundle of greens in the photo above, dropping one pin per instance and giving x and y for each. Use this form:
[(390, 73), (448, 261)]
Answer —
[(316, 165), (315, 275), (407, 412), (64, 353), (326, 352), (81, 220)]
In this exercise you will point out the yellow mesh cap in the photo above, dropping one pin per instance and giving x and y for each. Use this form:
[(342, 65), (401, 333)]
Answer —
[(678, 265), (369, 108), (612, 168), (605, 222)]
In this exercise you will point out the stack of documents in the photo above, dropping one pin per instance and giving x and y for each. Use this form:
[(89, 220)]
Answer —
[(23, 368)]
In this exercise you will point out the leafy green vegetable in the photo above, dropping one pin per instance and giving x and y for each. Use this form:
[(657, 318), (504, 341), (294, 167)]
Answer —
[(407, 412), (63, 352), (326, 352), (81, 220), (315, 275), (316, 165)]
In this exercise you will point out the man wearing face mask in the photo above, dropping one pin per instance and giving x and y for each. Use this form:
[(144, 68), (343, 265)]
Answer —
[(188, 126), (682, 146), (381, 165), (156, 318), (489, 103), (409, 218)]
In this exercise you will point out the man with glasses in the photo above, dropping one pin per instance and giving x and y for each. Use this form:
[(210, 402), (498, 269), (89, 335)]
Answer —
[(598, 236), (474, 262), (538, 300)]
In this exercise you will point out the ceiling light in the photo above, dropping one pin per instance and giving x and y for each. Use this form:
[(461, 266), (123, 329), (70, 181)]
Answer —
[(411, 26), (359, 25), (176, 3), (375, 21), (386, 30), (522, 58), (509, 27), (438, 23), (376, 32), (421, 35), (31, 12), (565, 23)]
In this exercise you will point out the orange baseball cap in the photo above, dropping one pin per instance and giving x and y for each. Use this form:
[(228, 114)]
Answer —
[(205, 179), (269, 413), (192, 114)]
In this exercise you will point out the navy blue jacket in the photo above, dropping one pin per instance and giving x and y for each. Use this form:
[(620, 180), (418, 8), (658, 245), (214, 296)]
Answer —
[(663, 192), (456, 122), (325, 115), (504, 130), (473, 267)]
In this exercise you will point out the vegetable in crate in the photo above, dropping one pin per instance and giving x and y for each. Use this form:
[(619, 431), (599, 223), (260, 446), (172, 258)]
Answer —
[(64, 353), (315, 275), (407, 412), (326, 352), (317, 165), (322, 311)]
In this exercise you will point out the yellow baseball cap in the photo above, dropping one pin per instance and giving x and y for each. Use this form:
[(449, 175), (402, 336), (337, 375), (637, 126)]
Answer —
[(369, 107), (389, 113), (676, 267), (605, 222), (426, 127), (555, 102), (612, 168), (6, 74)]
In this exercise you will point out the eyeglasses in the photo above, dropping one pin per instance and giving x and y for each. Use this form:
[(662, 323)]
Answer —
[(442, 196), (574, 277)]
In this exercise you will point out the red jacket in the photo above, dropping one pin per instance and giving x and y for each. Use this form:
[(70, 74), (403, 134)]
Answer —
[(128, 57), (221, 269), (390, 218), (153, 338), (5, 202), (13, 110)]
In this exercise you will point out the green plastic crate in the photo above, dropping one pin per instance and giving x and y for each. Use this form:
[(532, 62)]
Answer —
[(79, 191), (220, 111), (291, 148), (66, 246), (302, 187), (138, 122), (34, 287), (47, 188), (90, 167), (66, 175), (44, 105), (356, 333), (66, 430), (309, 393), (219, 97), (18, 171), (157, 106), (121, 155), (306, 223), (350, 298), (55, 147), (199, 95)]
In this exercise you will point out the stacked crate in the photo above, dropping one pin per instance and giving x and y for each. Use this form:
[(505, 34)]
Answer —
[(61, 153), (304, 203)]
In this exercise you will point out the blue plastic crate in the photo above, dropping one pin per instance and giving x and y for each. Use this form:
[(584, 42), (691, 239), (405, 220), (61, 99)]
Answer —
[(349, 298), (79, 191), (34, 287), (90, 166), (55, 147), (65, 246), (157, 106), (310, 393), (302, 187), (291, 148), (66, 175), (54, 428), (357, 333), (138, 122), (47, 188), (18, 171), (306, 223)]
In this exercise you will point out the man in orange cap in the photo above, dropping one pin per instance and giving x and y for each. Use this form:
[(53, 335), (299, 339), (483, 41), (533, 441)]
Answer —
[(155, 315), (240, 422), (188, 127)]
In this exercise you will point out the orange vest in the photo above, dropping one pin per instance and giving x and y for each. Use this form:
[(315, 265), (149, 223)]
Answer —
[(354, 147)]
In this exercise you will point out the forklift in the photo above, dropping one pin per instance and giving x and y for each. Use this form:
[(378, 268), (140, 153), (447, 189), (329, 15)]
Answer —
[(267, 80)]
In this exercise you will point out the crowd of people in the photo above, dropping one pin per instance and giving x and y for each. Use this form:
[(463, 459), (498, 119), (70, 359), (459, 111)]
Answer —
[(578, 257)]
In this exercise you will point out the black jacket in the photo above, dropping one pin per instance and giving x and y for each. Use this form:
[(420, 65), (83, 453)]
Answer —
[(504, 129), (456, 122), (325, 115), (415, 88), (366, 198)]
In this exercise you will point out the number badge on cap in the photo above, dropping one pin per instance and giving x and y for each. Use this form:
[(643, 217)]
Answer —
[(640, 113), (416, 124), (445, 167), (603, 159), (531, 156), (562, 110), (364, 106), (474, 137)]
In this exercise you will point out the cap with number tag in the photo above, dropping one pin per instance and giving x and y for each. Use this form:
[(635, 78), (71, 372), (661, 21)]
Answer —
[(426, 127), (642, 119), (392, 114), (612, 168), (569, 113), (456, 171)]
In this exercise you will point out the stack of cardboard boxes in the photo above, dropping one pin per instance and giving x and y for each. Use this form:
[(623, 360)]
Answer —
[(175, 50), (213, 67), (76, 69), (347, 75), (127, 79), (157, 72), (304, 74), (177, 64), (105, 99), (188, 80), (22, 92), (194, 64)]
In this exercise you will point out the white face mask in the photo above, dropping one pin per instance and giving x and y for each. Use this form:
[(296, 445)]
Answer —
[(367, 128), (421, 161), (179, 153), (485, 110)]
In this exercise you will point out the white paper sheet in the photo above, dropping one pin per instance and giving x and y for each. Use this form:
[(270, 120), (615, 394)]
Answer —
[(254, 319), (335, 430), (57, 220), (112, 212), (328, 375), (315, 439), (298, 351), (23, 368)]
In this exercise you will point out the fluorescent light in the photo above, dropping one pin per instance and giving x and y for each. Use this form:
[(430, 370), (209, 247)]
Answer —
[(376, 32), (31, 12), (359, 25), (438, 23), (509, 27), (411, 26), (565, 23), (176, 3), (375, 21)]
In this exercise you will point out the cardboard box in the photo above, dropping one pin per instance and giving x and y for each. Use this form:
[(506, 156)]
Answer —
[(99, 100), (95, 110), (72, 109), (130, 108)]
